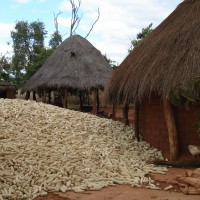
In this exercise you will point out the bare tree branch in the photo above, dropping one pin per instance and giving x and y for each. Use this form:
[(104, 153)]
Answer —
[(56, 20), (93, 24), (77, 24), (75, 20)]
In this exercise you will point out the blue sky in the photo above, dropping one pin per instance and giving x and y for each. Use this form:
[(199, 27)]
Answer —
[(119, 22)]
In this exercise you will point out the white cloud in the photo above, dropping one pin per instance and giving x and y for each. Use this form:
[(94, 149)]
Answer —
[(5, 30), (5, 49), (22, 1), (28, 1), (5, 37), (41, 1), (119, 22), (65, 6), (65, 22)]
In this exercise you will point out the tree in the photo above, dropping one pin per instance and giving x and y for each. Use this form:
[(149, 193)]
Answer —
[(28, 44), (5, 68), (140, 36), (56, 38), (75, 18), (111, 62), (42, 55), (21, 41)]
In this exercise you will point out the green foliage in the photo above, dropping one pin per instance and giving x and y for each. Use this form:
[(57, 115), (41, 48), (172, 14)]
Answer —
[(37, 34), (111, 62), (5, 67), (28, 39), (186, 97), (39, 61), (56, 40), (29, 50), (140, 36)]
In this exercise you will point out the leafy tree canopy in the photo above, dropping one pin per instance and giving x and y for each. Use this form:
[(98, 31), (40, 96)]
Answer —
[(29, 51), (111, 62), (56, 40), (4, 68), (140, 36)]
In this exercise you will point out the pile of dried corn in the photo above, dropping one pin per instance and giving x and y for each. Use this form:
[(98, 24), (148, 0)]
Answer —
[(44, 148)]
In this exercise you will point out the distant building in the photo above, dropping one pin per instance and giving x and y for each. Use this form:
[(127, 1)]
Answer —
[(7, 90)]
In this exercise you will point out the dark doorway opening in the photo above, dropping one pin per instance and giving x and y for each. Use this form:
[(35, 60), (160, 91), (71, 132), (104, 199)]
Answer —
[(3, 94)]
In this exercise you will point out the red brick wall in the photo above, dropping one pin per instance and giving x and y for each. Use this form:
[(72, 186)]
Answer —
[(10, 94), (154, 130), (152, 125), (184, 121)]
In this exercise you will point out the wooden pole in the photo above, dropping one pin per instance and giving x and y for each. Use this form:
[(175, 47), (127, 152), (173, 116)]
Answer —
[(44, 96), (94, 107), (97, 93), (81, 101), (114, 108), (136, 120), (88, 97), (125, 110), (172, 131), (49, 96), (27, 97), (34, 96), (65, 98)]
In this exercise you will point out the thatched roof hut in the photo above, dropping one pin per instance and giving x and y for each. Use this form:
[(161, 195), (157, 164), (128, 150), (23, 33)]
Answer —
[(76, 64), (169, 56), (7, 90)]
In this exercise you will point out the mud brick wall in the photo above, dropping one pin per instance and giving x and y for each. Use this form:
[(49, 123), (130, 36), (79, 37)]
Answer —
[(153, 127), (10, 94), (184, 122)]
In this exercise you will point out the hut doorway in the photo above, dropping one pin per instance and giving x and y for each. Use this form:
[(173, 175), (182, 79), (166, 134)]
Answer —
[(3, 94)]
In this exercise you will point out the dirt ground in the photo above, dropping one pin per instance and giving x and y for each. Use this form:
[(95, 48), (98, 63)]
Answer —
[(126, 192)]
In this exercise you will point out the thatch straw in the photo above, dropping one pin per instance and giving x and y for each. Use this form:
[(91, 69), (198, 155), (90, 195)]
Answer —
[(169, 56), (4, 85), (76, 64)]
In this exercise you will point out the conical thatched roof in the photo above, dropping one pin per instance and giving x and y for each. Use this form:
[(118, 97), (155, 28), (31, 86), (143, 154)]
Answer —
[(169, 56), (4, 85), (76, 64)]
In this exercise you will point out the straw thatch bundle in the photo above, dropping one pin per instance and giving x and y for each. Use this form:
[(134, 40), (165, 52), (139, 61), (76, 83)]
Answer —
[(76, 64), (4, 85), (169, 56)]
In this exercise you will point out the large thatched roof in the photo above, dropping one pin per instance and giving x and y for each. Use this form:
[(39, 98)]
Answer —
[(169, 56), (76, 64), (4, 85)]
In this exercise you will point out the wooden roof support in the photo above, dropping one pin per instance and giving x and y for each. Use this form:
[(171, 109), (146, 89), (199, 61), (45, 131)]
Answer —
[(114, 109), (44, 95), (125, 113), (136, 120), (172, 131), (27, 97), (95, 109), (81, 101), (65, 98), (34, 96), (98, 103)]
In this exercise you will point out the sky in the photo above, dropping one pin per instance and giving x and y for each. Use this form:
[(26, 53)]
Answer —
[(120, 20)]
